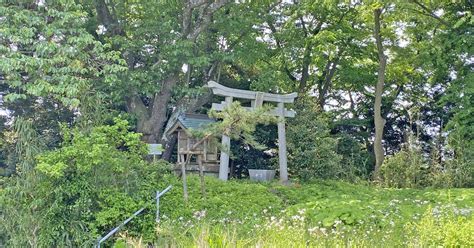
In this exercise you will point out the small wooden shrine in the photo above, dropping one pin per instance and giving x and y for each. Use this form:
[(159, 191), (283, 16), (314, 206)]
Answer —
[(194, 154)]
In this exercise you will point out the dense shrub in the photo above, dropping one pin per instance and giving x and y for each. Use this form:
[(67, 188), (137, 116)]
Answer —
[(81, 190), (460, 167), (311, 150), (246, 157), (356, 160), (405, 169), (452, 173), (408, 168), (461, 131)]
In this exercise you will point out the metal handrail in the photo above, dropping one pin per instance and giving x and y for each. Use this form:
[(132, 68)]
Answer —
[(113, 231)]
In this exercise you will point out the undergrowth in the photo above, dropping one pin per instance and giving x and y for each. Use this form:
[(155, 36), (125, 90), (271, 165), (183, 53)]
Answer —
[(324, 213)]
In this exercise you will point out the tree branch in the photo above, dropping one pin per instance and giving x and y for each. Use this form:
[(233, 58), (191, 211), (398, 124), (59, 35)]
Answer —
[(431, 13), (304, 27), (206, 17), (279, 45)]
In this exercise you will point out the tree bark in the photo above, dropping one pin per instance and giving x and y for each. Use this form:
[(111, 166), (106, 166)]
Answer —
[(379, 121), (107, 19), (326, 80), (173, 140), (305, 70), (158, 117)]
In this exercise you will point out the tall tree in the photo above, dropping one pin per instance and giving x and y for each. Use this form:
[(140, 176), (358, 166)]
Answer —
[(379, 121), (157, 39)]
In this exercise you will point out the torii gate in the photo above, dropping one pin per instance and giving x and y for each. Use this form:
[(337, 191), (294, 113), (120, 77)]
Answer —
[(257, 99)]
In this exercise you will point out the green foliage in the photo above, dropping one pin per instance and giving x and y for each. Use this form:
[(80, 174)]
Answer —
[(239, 123), (325, 204), (459, 93), (355, 158), (19, 197), (461, 142), (447, 231), (311, 150), (409, 169), (246, 157), (28, 144), (405, 169), (323, 213), (232, 200), (83, 189), (441, 229), (452, 173), (106, 146), (47, 52), (58, 66)]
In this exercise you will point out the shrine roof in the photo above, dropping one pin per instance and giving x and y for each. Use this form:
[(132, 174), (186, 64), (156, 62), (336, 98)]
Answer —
[(194, 121), (188, 121)]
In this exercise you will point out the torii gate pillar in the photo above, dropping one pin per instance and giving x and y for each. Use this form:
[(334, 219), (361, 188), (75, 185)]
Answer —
[(282, 158), (224, 161), (257, 99)]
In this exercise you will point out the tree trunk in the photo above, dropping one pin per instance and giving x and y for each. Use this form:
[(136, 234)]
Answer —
[(159, 111), (326, 80), (305, 70), (379, 121), (201, 176), (170, 145)]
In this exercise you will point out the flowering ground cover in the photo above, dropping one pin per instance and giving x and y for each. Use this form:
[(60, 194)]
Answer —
[(325, 213)]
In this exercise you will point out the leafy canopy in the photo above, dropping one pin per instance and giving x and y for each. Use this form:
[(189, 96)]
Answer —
[(46, 51)]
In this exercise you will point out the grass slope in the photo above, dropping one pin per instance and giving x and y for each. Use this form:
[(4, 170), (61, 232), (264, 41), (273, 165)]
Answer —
[(325, 213)]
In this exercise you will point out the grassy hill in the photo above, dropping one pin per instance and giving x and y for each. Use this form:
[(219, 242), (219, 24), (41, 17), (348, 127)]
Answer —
[(324, 213)]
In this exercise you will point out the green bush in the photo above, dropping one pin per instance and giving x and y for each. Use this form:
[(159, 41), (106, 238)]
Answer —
[(408, 168), (82, 190), (405, 169), (461, 135), (356, 160), (311, 150), (246, 157), (460, 167)]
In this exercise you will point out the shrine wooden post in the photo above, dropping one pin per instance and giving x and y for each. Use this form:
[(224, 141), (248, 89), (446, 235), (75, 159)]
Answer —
[(257, 99)]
